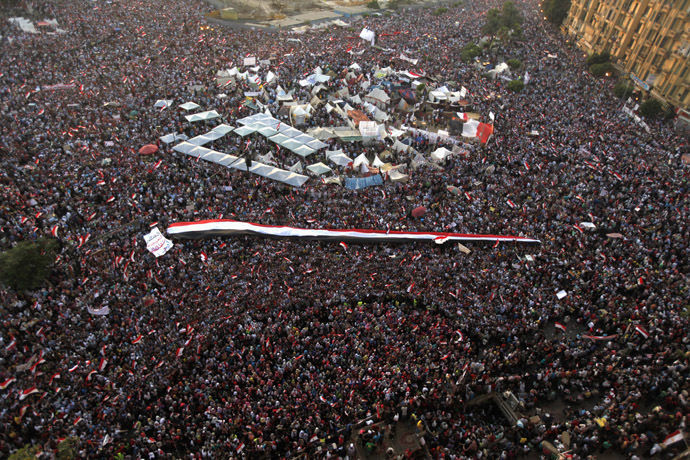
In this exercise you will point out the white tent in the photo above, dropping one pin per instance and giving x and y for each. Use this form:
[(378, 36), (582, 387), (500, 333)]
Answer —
[(298, 115), (378, 97), (315, 144), (400, 147), (245, 130), (303, 138), (440, 153), (303, 151), (163, 103), (321, 133), (267, 131), (340, 159), (291, 144), (170, 138), (297, 167), (205, 138), (202, 116), (397, 176), (278, 138), (319, 168), (436, 96), (189, 106), (377, 163), (360, 160), (223, 129)]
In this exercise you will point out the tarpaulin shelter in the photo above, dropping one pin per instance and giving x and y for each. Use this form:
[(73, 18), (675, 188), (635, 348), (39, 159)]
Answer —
[(148, 149), (418, 212), (356, 183)]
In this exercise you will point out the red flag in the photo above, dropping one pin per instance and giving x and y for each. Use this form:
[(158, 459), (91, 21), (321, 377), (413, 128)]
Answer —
[(343, 245), (640, 330), (179, 351), (560, 326), (7, 383), (673, 438), (203, 256), (54, 231), (138, 339), (26, 393)]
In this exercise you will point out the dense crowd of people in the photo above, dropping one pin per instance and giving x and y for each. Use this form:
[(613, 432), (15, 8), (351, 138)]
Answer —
[(277, 348)]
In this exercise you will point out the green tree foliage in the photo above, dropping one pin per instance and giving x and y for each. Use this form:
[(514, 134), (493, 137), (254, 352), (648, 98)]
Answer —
[(470, 51), (25, 453), (67, 449), (556, 11), (601, 70), (651, 108), (440, 11), (374, 5), (27, 265), (622, 89), (516, 85), (598, 58), (508, 16), (514, 63)]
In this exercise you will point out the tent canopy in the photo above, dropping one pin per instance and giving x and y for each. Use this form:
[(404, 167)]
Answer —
[(202, 116)]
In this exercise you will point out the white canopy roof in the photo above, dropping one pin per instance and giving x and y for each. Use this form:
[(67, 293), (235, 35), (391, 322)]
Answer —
[(379, 95), (163, 103), (303, 151), (319, 168), (202, 116), (170, 138), (223, 129), (189, 106), (245, 130), (441, 153), (361, 159)]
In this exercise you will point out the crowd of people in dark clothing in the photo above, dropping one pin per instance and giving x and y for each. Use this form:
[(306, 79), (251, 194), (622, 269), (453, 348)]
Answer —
[(270, 348)]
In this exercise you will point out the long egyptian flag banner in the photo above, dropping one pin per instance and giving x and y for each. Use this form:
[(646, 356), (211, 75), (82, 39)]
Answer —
[(211, 228)]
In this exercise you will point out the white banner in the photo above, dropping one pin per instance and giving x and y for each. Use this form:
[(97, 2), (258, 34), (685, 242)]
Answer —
[(211, 228), (368, 128), (156, 243)]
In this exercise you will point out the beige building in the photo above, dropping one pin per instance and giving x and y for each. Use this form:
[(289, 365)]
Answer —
[(649, 39)]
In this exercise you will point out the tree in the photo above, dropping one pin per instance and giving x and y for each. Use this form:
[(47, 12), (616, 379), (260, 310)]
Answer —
[(601, 58), (651, 108), (25, 453), (508, 16), (516, 85), (514, 63), (600, 70), (470, 51), (67, 449), (622, 89), (27, 265), (556, 11), (374, 5)]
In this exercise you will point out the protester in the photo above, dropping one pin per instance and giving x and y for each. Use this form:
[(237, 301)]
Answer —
[(259, 348)]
